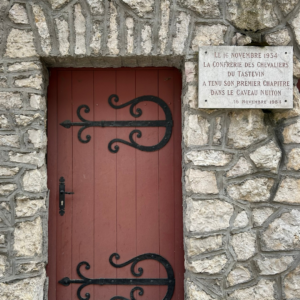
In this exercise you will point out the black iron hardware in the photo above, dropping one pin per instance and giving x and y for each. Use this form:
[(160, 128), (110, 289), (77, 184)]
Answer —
[(84, 281), (62, 193), (168, 123)]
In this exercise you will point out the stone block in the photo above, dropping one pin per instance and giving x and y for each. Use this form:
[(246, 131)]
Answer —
[(291, 284), (18, 14), (217, 137), (288, 191), (34, 158), (208, 158), (35, 181), (10, 100), (164, 26), (209, 265), (243, 40), (190, 97), (146, 43), (24, 120), (29, 267), (275, 265), (8, 171), (7, 189), (246, 127), (296, 67), (195, 293), (241, 220), (33, 81), (295, 23), (4, 122), (2, 239), (207, 215), (283, 233), (252, 190), (56, 4), (23, 66), (10, 141), (63, 35), (20, 44), (238, 275), (140, 7), (290, 113), (95, 44), (80, 28), (37, 137), (294, 160), (112, 41), (3, 265), (201, 182), (209, 35), (190, 71), (195, 130), (291, 133), (287, 6), (41, 24), (242, 167), (278, 38), (182, 32), (25, 289), (252, 15), (3, 82), (196, 246), (260, 215), (96, 6), (267, 157), (263, 290), (26, 207), (28, 238), (244, 245), (205, 8), (37, 102)]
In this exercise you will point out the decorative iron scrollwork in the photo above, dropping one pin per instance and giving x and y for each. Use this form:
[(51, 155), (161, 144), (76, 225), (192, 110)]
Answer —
[(84, 281), (136, 113)]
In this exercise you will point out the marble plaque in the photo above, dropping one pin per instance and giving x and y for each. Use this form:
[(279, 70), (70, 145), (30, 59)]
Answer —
[(245, 77)]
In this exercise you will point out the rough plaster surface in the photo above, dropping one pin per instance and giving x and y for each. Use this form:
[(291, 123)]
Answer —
[(240, 168)]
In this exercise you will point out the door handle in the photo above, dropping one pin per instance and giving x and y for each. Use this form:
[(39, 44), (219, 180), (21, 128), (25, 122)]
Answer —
[(62, 194)]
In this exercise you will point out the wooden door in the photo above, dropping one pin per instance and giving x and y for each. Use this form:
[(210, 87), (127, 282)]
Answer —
[(129, 202)]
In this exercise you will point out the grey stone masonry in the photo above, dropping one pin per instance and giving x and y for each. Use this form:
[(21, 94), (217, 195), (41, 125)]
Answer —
[(240, 176)]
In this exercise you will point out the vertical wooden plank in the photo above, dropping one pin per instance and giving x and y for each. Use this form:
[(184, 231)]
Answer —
[(178, 224), (126, 181), (64, 169), (52, 181), (105, 182), (147, 182), (166, 178), (83, 180)]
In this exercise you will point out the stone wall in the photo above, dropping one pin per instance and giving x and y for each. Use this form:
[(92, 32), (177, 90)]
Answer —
[(241, 182)]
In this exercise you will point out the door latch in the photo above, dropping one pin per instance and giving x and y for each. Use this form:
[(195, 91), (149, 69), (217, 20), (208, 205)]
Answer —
[(62, 193)]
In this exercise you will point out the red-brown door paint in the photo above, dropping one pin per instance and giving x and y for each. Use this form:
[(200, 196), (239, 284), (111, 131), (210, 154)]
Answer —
[(129, 202)]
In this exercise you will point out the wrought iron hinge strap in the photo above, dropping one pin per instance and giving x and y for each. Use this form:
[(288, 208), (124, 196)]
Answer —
[(119, 281), (84, 281), (167, 123), (68, 124)]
